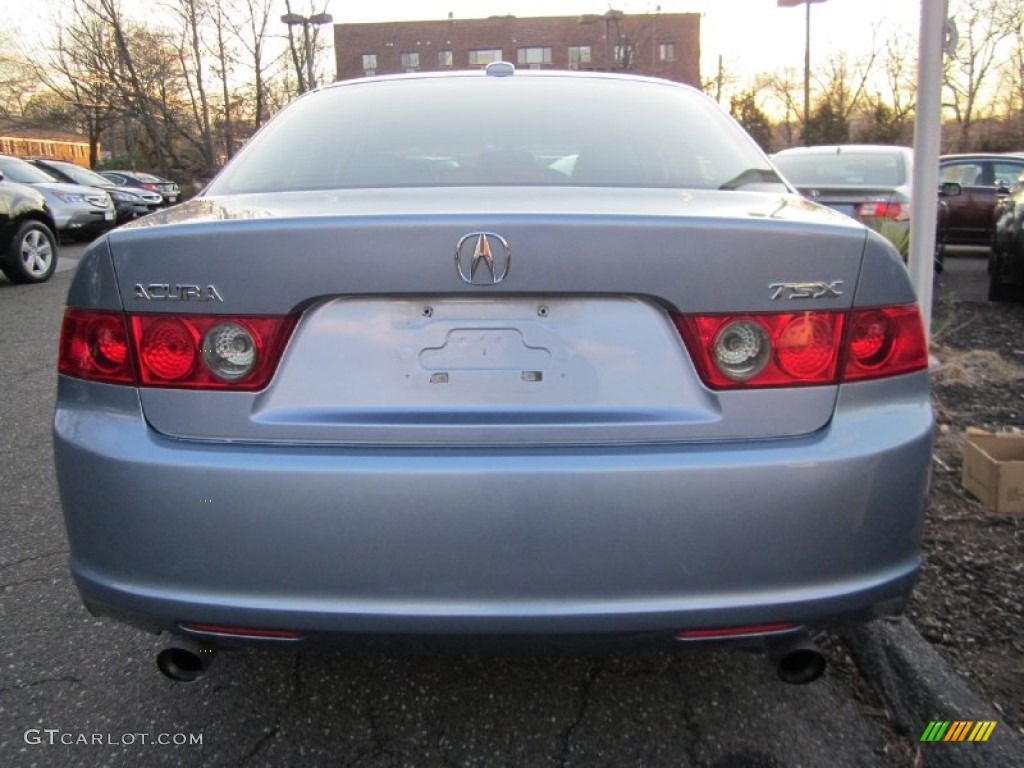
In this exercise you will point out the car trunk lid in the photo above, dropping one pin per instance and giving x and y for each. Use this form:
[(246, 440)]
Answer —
[(575, 345)]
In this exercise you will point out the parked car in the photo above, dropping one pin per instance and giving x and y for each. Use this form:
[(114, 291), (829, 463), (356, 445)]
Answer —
[(129, 202), (81, 213), (655, 397), (28, 245), (969, 218), (871, 183), (167, 188), (1006, 257)]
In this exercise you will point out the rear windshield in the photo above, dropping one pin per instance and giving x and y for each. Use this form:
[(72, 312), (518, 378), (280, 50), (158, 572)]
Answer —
[(517, 130), (847, 168)]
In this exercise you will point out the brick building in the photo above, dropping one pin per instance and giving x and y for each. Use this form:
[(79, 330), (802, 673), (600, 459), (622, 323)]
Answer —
[(663, 45)]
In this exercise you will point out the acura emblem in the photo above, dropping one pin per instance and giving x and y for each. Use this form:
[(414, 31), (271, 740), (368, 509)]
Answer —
[(482, 258)]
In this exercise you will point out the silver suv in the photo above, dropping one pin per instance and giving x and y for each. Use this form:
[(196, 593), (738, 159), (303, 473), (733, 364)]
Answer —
[(81, 213)]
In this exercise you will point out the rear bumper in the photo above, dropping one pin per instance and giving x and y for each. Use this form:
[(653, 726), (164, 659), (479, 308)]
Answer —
[(603, 540)]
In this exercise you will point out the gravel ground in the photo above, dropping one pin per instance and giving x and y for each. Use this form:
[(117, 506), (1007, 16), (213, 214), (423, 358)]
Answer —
[(969, 601)]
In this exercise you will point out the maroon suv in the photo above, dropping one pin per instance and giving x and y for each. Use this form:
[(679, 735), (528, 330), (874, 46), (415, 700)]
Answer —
[(968, 218)]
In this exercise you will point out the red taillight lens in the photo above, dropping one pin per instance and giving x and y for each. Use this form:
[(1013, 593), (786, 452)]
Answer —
[(884, 210), (94, 345), (806, 348), (209, 351), (764, 350), (885, 342), (168, 348), (189, 351)]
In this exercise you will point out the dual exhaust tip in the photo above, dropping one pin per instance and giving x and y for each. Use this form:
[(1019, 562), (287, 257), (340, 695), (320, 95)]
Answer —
[(798, 660)]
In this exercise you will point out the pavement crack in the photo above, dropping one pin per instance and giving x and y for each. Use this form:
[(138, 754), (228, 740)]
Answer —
[(268, 736), (273, 732), (32, 558), (42, 681), (583, 703), (379, 743), (12, 584), (297, 679)]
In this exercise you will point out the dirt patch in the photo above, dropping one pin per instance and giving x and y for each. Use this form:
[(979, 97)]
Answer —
[(969, 601)]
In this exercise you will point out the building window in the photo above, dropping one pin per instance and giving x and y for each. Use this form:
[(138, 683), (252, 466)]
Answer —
[(666, 52), (444, 59), (369, 61), (624, 56), (410, 61), (579, 55), (484, 56), (534, 57)]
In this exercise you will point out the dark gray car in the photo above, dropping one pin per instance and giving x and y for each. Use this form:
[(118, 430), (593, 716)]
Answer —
[(494, 356)]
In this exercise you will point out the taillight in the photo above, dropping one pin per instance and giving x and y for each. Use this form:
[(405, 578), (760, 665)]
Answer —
[(209, 351), (884, 210), (764, 350), (165, 350), (806, 348), (94, 345), (885, 342)]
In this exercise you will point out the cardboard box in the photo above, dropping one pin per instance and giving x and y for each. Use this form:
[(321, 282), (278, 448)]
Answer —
[(994, 470)]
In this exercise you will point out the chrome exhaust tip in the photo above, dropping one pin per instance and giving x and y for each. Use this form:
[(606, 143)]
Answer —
[(184, 660)]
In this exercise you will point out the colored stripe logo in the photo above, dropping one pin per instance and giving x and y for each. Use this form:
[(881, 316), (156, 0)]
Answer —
[(958, 730)]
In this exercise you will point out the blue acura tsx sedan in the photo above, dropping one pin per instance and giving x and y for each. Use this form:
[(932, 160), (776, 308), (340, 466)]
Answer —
[(494, 357)]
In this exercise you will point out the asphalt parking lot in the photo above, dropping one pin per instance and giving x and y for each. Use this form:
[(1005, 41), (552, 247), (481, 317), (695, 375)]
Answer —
[(79, 691)]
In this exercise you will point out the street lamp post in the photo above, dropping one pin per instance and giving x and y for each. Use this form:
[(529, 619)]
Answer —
[(607, 17), (293, 19), (807, 58)]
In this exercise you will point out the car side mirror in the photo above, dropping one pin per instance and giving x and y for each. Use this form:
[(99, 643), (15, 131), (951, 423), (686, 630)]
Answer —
[(950, 189), (1002, 188)]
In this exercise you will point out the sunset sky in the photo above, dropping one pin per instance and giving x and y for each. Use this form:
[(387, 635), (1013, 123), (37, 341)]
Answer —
[(751, 35)]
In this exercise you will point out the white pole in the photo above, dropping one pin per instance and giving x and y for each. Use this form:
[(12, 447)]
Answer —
[(927, 141)]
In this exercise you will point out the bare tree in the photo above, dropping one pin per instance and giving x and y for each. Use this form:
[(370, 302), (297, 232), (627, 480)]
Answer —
[(17, 79), (985, 27), (887, 114), (81, 70), (304, 52), (126, 47), (845, 82), (223, 57), (251, 32), (192, 52), (784, 90), (1012, 76)]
